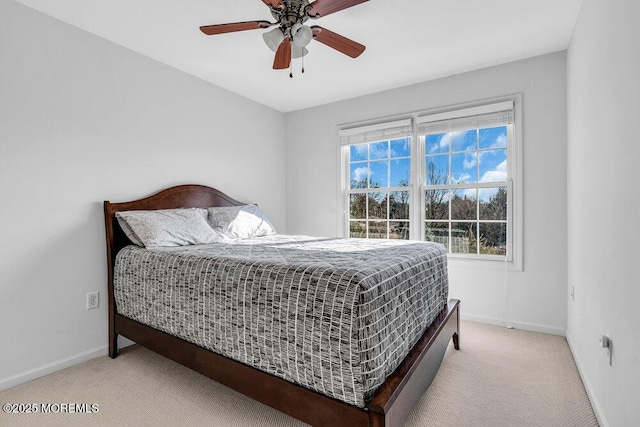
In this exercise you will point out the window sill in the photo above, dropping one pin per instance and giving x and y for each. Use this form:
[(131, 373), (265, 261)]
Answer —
[(487, 263)]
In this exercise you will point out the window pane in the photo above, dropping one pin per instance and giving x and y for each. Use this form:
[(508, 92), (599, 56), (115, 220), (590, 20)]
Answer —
[(493, 238), (401, 147), (463, 140), (463, 204), (437, 168), (400, 172), (358, 229), (437, 143), (379, 174), (399, 230), (358, 152), (493, 137), (463, 238), (493, 165), (379, 150), (377, 229), (493, 203), (464, 167), (437, 232), (358, 206), (378, 205), (399, 205), (359, 175), (437, 204)]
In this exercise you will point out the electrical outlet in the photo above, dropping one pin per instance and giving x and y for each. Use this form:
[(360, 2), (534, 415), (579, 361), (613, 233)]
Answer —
[(573, 293), (93, 300)]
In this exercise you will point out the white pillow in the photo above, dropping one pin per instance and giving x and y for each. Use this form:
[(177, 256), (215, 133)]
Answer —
[(240, 222), (169, 227)]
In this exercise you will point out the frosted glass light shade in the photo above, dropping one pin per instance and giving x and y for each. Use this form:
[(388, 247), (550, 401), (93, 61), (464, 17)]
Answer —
[(302, 35), (273, 38), (298, 52)]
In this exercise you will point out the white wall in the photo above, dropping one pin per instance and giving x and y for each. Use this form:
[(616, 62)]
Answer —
[(604, 204), (81, 121), (534, 299)]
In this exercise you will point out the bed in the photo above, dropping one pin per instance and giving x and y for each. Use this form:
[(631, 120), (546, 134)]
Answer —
[(348, 368)]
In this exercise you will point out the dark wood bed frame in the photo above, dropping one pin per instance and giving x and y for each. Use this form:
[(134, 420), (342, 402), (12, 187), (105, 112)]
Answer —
[(391, 404)]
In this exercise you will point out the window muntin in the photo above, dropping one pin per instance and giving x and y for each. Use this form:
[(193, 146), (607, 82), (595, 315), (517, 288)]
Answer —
[(379, 195)]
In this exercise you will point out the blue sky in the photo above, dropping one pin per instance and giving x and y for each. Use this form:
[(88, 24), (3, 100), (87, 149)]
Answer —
[(486, 164), (475, 157), (376, 159)]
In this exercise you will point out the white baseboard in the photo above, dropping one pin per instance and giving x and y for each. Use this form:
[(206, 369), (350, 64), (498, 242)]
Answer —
[(50, 368), (59, 365), (517, 325), (595, 404)]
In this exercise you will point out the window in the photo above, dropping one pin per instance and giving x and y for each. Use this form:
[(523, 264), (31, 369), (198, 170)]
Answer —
[(466, 183), (379, 164), (446, 177)]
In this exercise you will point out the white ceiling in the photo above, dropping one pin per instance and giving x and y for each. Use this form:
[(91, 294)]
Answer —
[(408, 41)]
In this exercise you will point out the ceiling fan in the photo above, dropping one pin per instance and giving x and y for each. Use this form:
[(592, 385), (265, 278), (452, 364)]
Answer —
[(291, 36)]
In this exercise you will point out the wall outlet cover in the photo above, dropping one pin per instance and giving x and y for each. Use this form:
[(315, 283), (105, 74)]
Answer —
[(93, 300)]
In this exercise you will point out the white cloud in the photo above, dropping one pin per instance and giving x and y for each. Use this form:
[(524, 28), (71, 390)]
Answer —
[(457, 139), (486, 194), (445, 141), (361, 173), (440, 145), (498, 174), (443, 144), (501, 141), (464, 177), (470, 160)]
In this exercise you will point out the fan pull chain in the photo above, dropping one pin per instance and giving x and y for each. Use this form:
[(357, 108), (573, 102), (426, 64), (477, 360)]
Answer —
[(303, 62), (291, 69)]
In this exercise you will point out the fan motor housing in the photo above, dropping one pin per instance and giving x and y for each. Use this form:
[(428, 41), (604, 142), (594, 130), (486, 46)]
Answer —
[(294, 12)]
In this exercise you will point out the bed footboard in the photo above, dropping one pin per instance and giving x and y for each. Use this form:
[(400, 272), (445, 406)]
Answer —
[(390, 407), (394, 401)]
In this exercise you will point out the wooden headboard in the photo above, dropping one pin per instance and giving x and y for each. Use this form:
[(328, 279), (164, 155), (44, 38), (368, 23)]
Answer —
[(182, 196)]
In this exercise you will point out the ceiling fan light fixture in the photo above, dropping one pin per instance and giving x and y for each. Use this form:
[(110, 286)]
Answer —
[(302, 35), (298, 52), (273, 38), (291, 36)]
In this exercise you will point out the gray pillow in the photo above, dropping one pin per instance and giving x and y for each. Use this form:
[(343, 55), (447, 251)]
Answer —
[(168, 227), (219, 218), (128, 231)]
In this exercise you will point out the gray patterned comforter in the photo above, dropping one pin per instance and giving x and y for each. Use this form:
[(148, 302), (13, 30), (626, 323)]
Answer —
[(334, 315)]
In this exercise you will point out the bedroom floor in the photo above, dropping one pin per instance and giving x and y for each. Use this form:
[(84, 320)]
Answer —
[(500, 377)]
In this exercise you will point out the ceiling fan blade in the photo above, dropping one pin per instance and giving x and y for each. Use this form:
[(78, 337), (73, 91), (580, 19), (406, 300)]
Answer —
[(233, 27), (337, 42), (283, 55), (273, 3), (326, 7)]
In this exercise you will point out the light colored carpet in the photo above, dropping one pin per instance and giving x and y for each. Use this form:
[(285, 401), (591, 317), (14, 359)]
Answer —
[(500, 377)]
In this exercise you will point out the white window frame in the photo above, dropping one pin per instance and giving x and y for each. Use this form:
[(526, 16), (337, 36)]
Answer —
[(380, 132), (514, 257)]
